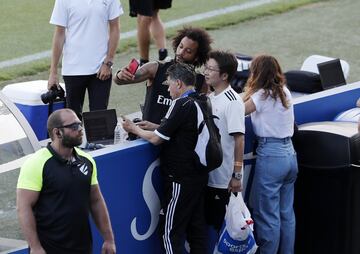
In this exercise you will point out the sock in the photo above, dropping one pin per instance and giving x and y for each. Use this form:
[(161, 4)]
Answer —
[(143, 61), (163, 53)]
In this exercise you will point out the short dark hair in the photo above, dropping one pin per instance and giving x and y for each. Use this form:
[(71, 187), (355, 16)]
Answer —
[(201, 37), (226, 61), (183, 72), (55, 120)]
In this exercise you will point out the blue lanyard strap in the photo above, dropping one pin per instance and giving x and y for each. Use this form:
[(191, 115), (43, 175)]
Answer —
[(186, 94)]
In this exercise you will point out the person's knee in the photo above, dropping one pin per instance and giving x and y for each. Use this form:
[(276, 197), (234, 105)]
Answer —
[(144, 21), (156, 15)]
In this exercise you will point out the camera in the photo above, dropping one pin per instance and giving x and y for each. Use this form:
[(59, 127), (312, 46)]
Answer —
[(51, 95)]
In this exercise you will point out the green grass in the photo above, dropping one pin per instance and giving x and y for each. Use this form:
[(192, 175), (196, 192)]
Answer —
[(32, 33)]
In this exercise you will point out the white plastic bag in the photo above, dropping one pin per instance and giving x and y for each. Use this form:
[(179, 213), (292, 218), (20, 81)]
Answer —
[(236, 235)]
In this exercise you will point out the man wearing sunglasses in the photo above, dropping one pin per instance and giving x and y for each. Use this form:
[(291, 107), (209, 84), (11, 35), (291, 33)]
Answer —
[(57, 189)]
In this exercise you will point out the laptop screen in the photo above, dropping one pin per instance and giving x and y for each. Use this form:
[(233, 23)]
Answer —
[(99, 125), (331, 74)]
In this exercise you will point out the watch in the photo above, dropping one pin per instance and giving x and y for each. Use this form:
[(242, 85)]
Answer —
[(236, 175), (108, 64)]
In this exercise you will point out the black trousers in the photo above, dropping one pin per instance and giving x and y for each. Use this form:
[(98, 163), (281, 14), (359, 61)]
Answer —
[(98, 92), (182, 217), (215, 206)]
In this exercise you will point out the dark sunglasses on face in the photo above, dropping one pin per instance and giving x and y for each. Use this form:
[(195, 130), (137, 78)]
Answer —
[(73, 126)]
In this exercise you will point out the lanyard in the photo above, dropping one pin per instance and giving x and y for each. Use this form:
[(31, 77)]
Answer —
[(186, 94)]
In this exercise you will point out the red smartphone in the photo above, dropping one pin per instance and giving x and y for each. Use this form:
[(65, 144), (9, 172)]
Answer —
[(133, 66)]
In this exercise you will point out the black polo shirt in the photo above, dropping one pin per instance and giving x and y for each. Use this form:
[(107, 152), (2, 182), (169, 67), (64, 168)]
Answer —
[(62, 210)]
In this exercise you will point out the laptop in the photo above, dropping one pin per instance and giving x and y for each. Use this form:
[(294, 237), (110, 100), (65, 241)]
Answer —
[(99, 126), (331, 74)]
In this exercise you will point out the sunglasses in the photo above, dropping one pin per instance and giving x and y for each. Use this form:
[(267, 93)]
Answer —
[(73, 126)]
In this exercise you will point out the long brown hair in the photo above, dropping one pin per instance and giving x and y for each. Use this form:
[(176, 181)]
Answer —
[(265, 73)]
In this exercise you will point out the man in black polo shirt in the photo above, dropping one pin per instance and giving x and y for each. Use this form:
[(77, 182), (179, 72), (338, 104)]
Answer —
[(56, 190), (182, 213), (191, 45)]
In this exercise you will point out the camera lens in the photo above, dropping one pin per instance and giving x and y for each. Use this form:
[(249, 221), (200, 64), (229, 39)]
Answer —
[(48, 97), (51, 95)]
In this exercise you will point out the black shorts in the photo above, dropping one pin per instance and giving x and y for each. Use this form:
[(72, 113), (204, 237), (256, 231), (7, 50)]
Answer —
[(147, 7)]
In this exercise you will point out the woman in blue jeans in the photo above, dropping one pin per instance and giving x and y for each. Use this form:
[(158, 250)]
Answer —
[(272, 194)]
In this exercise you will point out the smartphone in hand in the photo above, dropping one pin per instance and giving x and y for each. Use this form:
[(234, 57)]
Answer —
[(133, 66)]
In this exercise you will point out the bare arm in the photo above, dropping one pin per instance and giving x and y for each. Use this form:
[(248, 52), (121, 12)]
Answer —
[(150, 136), (114, 36), (146, 125), (57, 48), (25, 200), (236, 185), (249, 106), (101, 218), (145, 72)]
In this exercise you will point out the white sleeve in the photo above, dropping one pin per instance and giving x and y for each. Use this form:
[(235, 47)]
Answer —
[(115, 9), (59, 15), (257, 98), (235, 117)]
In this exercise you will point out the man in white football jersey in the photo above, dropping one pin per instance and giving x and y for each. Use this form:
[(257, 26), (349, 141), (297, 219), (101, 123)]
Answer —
[(228, 106)]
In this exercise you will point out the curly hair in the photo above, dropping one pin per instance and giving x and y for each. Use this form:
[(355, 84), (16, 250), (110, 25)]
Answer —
[(200, 36), (266, 73)]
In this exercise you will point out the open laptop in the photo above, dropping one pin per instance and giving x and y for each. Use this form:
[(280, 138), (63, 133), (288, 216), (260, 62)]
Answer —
[(99, 126), (331, 74)]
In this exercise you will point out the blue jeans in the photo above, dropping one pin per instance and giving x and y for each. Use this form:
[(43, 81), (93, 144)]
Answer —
[(272, 196)]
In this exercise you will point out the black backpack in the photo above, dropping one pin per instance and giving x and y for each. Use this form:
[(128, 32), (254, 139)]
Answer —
[(208, 146)]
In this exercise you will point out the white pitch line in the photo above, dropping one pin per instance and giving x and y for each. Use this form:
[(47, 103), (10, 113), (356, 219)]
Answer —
[(130, 34)]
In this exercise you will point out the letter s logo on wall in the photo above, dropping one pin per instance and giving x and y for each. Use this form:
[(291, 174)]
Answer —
[(152, 200)]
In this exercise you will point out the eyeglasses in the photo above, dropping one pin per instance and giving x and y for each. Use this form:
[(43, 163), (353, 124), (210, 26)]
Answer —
[(73, 126), (210, 68)]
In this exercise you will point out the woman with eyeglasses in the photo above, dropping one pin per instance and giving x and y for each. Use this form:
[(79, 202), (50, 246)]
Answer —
[(268, 101)]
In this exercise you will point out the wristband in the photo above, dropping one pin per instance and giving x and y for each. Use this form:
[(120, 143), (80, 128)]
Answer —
[(238, 163)]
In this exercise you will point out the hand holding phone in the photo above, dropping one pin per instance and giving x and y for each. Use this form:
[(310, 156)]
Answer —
[(133, 66)]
